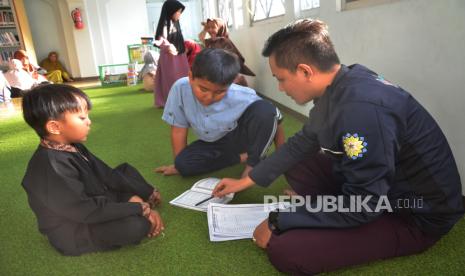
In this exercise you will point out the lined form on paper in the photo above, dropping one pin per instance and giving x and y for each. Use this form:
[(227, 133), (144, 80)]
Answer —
[(201, 190), (236, 221)]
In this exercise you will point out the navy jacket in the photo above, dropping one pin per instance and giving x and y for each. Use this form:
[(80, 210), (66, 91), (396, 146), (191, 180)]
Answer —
[(384, 143)]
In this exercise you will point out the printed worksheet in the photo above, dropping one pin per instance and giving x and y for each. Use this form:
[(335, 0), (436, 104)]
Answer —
[(236, 221), (200, 191)]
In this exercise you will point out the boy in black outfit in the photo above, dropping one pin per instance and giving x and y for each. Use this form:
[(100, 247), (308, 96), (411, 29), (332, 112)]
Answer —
[(81, 204)]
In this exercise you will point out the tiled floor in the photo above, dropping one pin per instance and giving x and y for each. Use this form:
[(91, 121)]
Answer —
[(7, 110)]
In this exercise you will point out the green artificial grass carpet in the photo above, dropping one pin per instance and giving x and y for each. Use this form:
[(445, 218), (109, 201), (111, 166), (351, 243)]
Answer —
[(126, 128)]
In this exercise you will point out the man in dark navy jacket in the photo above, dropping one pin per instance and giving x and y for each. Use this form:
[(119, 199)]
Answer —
[(367, 143)]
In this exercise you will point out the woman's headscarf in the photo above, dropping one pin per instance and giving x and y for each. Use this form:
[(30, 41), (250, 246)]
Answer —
[(222, 27), (226, 44), (51, 54), (50, 65), (169, 8)]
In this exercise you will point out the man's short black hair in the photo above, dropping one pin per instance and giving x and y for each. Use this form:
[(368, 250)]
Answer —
[(216, 65), (49, 102), (305, 41)]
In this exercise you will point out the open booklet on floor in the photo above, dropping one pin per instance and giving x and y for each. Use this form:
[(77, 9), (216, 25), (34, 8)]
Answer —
[(237, 221), (201, 190)]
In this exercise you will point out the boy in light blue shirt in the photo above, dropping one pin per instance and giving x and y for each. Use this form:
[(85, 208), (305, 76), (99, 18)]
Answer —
[(232, 123)]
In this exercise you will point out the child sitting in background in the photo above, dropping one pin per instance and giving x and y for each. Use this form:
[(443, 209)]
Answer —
[(35, 71), (226, 44), (148, 71), (19, 80), (213, 28), (5, 89), (81, 204), (233, 123)]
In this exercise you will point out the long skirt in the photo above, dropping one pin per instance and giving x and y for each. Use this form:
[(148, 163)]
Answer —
[(170, 69)]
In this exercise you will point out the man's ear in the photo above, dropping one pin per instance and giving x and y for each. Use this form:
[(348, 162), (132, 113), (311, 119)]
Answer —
[(191, 78), (306, 70), (53, 127)]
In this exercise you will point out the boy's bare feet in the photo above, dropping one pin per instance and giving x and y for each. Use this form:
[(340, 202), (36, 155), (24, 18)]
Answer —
[(166, 170), (154, 199), (157, 224)]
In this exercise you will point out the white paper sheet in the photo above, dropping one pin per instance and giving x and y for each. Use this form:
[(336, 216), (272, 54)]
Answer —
[(201, 190), (236, 221)]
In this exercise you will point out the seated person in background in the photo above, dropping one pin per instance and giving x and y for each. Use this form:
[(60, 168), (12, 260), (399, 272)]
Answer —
[(147, 73), (56, 73), (213, 28), (226, 44), (233, 123), (81, 204), (35, 71), (192, 49), (217, 31), (19, 80), (5, 89)]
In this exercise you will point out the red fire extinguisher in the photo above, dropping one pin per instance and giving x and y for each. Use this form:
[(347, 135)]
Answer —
[(76, 15)]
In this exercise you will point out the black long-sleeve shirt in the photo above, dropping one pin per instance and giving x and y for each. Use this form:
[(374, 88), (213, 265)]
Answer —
[(67, 192), (385, 143)]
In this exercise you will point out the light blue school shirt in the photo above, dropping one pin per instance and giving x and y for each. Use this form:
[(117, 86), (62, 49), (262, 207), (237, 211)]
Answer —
[(209, 123)]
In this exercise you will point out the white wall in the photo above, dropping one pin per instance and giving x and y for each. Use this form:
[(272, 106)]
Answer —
[(417, 44), (80, 38), (114, 24), (52, 30), (109, 26), (45, 39), (126, 23)]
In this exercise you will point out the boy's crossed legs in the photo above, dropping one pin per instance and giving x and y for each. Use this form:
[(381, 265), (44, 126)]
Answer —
[(314, 250)]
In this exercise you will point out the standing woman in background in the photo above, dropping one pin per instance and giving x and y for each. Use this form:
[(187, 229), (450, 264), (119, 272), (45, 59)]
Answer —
[(172, 64)]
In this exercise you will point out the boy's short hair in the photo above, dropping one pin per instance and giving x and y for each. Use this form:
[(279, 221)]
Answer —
[(49, 102), (216, 65), (304, 41)]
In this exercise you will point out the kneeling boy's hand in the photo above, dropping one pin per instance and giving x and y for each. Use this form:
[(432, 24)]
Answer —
[(167, 170), (157, 224), (262, 234)]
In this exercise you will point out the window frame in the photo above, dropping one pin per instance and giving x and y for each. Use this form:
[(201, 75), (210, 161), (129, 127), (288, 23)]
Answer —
[(307, 9), (269, 19), (347, 5)]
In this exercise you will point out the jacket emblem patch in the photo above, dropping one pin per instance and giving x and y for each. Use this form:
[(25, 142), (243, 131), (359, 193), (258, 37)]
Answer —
[(355, 146)]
